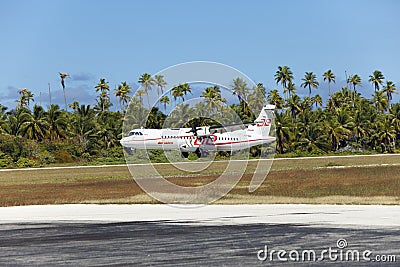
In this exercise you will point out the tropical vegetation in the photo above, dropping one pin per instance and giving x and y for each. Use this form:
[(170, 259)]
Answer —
[(348, 122)]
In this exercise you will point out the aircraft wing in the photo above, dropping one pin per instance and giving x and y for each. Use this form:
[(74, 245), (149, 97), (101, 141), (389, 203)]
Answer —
[(229, 126)]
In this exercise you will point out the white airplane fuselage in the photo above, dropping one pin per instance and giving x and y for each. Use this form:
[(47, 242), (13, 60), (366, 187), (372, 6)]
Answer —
[(205, 139)]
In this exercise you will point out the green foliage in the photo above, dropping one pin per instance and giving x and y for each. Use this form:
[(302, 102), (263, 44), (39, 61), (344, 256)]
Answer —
[(25, 162), (192, 157), (5, 160), (45, 157), (158, 156)]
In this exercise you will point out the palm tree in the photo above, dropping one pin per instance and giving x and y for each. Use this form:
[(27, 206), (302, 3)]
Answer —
[(185, 88), (386, 134), (283, 75), (306, 104), (360, 129), (257, 99), (15, 120), (212, 96), (293, 105), (140, 93), (155, 119), (147, 83), (159, 81), (63, 76), (330, 77), (317, 100), (122, 92), (83, 124), (335, 132), (389, 89), (343, 116), (103, 88), (380, 101), (240, 89), (22, 103), (29, 97), (181, 116), (355, 80), (125, 98), (3, 119), (165, 100), (275, 98), (25, 98), (395, 114), (74, 105), (342, 98), (291, 89), (310, 80), (376, 79), (56, 121), (35, 126), (282, 131), (117, 93), (177, 92), (313, 140), (331, 104)]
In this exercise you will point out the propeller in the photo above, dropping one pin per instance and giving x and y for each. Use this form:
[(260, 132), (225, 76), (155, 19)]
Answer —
[(193, 129)]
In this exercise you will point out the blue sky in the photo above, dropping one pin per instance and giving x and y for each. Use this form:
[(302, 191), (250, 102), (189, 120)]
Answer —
[(120, 40)]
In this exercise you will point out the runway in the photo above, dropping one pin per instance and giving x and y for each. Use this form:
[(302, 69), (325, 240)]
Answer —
[(214, 235)]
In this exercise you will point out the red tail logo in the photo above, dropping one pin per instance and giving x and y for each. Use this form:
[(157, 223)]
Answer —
[(265, 122)]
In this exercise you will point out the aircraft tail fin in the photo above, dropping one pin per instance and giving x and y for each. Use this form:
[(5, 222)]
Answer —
[(264, 120)]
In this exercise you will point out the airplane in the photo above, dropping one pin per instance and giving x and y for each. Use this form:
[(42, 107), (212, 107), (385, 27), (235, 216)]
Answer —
[(205, 139)]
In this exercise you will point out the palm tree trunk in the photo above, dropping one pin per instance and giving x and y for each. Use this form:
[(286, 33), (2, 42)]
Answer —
[(49, 94), (329, 88), (65, 100)]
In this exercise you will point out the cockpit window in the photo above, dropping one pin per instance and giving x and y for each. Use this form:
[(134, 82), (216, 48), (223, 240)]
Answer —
[(135, 133)]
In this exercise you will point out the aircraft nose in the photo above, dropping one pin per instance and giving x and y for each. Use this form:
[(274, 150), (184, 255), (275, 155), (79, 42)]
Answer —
[(123, 141)]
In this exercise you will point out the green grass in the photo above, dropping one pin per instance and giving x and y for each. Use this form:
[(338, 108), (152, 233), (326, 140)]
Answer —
[(315, 180), (38, 176)]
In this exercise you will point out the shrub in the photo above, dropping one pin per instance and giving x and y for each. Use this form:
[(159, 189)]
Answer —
[(5, 160), (85, 156), (115, 152), (63, 156), (25, 162), (45, 157), (193, 156)]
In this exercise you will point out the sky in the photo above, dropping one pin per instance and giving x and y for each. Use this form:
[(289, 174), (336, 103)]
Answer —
[(120, 40)]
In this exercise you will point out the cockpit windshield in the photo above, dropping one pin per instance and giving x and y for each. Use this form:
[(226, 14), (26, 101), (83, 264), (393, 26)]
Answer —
[(135, 133)]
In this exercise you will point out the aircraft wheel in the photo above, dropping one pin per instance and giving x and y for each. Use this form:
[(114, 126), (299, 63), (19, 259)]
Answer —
[(201, 153), (130, 151)]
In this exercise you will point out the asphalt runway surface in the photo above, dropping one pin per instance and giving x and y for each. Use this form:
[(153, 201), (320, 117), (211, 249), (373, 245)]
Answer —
[(218, 239)]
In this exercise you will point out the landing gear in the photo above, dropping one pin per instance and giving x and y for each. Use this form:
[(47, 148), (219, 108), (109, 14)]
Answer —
[(185, 154), (130, 151), (201, 153)]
